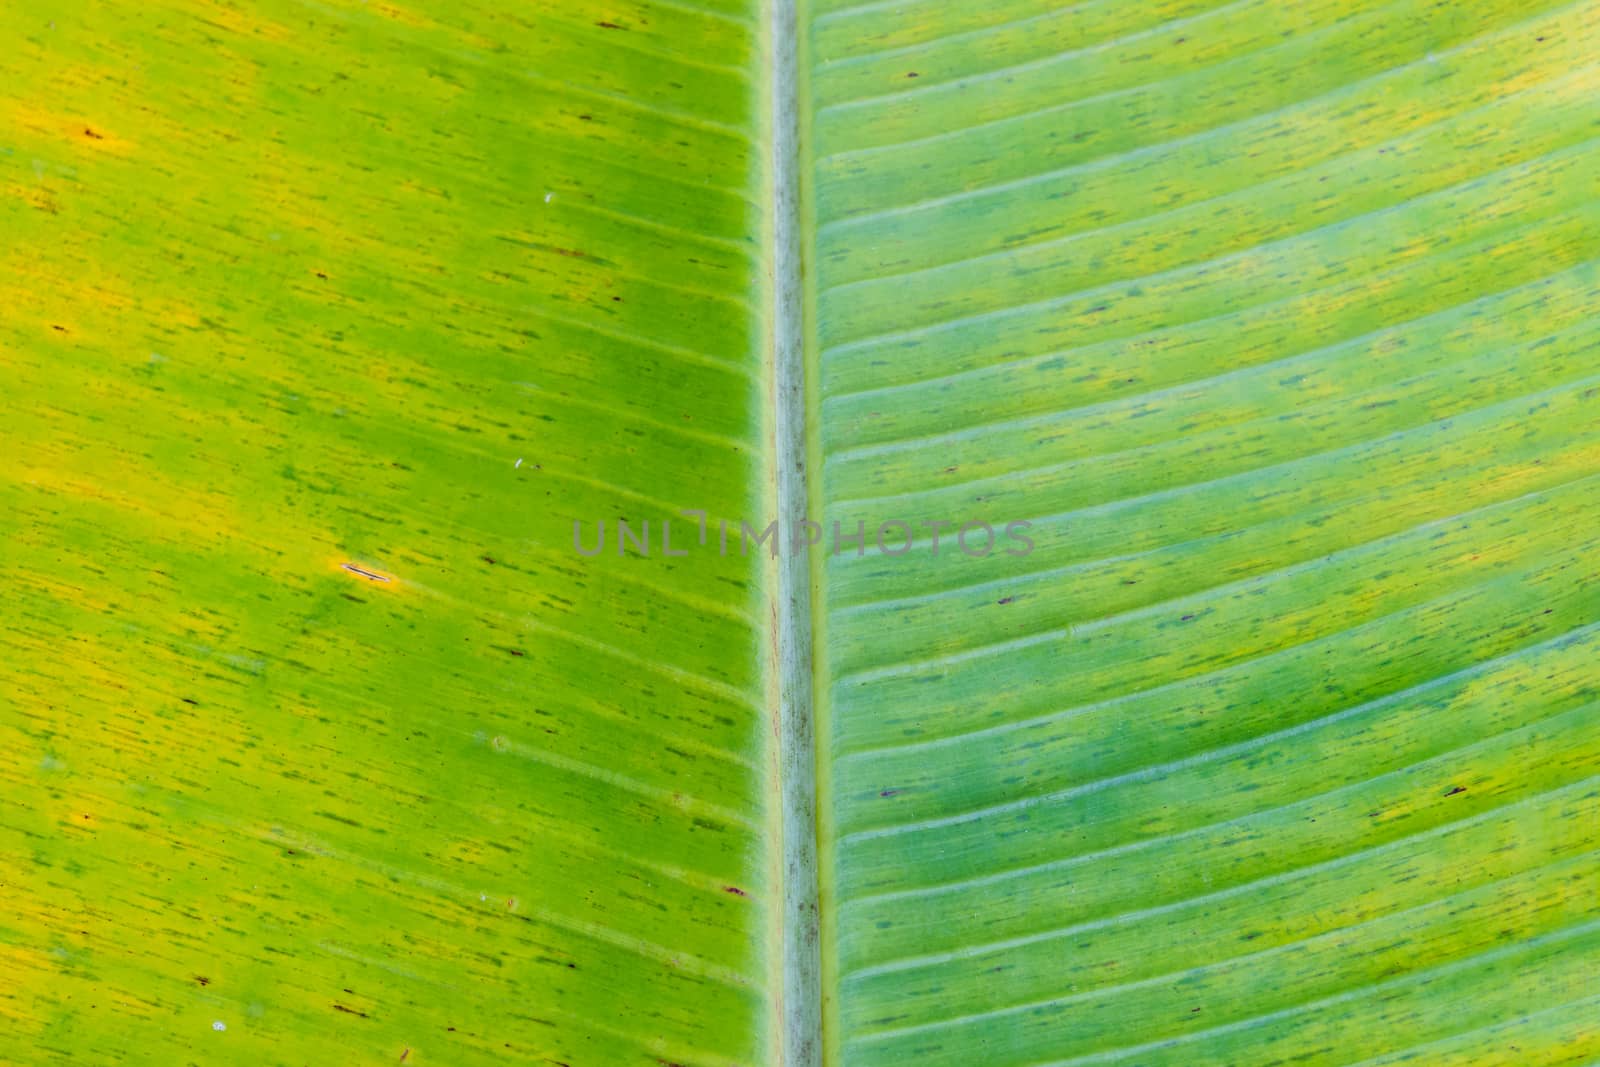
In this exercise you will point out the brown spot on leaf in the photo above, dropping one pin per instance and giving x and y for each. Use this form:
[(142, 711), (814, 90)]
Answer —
[(369, 575)]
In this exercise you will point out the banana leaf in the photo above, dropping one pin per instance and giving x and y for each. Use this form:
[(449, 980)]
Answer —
[(815, 532)]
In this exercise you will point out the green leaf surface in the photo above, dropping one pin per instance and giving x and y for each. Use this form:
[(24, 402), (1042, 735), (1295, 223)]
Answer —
[(1278, 324), (410, 288), (333, 333)]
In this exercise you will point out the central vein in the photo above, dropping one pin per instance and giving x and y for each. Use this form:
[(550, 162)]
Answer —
[(800, 1017)]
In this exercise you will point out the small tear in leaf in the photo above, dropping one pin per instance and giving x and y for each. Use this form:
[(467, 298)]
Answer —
[(353, 569)]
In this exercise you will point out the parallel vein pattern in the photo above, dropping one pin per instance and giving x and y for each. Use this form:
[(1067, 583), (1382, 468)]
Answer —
[(1281, 325), (409, 286)]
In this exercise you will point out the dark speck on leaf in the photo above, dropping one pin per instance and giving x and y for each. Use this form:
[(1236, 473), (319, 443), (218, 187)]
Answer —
[(1005, 600), (911, 74), (1186, 618), (1457, 789), (608, 25), (735, 890), (889, 793), (87, 132), (370, 576)]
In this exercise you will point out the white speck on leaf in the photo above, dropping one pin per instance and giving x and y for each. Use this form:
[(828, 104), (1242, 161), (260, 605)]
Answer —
[(519, 461), (219, 1025), (549, 197)]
